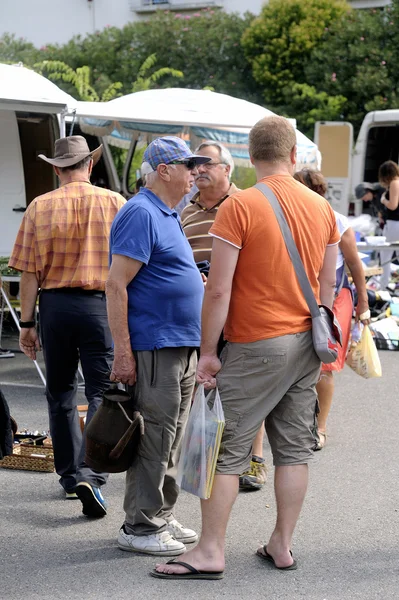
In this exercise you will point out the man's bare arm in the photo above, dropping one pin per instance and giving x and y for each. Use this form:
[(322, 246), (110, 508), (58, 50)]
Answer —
[(28, 338), (122, 271), (29, 288), (351, 256), (215, 308), (217, 294)]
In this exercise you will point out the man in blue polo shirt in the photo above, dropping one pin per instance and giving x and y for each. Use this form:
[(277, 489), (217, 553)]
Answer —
[(154, 298)]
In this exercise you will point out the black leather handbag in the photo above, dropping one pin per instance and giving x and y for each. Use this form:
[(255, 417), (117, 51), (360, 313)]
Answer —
[(114, 433)]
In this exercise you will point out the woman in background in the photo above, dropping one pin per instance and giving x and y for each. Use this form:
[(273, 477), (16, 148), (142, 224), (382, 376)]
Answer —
[(388, 176), (343, 302)]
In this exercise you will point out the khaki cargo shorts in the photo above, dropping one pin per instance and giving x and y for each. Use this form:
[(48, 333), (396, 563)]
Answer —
[(270, 381)]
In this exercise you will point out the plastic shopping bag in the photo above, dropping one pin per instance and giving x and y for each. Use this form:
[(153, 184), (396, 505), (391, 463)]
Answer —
[(363, 355), (201, 443)]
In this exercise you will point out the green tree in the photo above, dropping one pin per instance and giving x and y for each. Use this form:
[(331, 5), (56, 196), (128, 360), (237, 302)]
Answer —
[(244, 177), (357, 58), (15, 50), (278, 43), (308, 106), (205, 46)]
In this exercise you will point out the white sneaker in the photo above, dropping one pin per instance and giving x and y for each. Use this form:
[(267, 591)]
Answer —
[(158, 544), (180, 533)]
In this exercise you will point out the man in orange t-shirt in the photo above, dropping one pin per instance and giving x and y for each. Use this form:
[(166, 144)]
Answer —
[(269, 368)]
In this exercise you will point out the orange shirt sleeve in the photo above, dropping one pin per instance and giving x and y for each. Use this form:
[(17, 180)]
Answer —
[(231, 222), (23, 257)]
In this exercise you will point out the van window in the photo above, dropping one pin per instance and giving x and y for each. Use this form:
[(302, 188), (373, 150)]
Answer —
[(37, 135), (382, 145)]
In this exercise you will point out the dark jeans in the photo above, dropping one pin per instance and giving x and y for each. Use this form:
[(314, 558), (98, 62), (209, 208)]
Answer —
[(74, 326)]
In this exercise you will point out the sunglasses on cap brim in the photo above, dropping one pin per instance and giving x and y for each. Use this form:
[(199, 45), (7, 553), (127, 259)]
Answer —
[(190, 163)]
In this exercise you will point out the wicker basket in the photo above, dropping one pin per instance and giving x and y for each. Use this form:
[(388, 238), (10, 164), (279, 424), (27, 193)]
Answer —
[(30, 458)]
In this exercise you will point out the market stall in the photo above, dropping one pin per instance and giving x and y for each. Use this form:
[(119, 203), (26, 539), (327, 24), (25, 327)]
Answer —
[(195, 115)]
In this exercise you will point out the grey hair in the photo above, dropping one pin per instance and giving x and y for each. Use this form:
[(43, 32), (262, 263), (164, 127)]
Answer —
[(82, 164), (225, 156), (151, 177)]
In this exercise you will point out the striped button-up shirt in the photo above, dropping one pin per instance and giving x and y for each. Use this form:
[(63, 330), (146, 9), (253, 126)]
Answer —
[(64, 236), (197, 221)]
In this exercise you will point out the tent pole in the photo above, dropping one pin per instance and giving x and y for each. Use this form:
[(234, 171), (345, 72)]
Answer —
[(116, 183), (126, 167), (62, 124)]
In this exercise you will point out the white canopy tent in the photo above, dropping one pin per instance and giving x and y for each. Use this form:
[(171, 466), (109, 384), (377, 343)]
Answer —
[(32, 113), (194, 114), (23, 89)]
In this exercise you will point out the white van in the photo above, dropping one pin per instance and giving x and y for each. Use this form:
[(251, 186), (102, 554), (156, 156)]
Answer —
[(345, 166), (378, 141)]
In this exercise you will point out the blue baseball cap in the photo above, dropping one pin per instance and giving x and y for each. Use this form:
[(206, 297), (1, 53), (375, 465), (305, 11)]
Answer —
[(167, 150)]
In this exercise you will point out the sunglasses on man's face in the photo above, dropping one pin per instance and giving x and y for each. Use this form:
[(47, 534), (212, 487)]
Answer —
[(190, 163)]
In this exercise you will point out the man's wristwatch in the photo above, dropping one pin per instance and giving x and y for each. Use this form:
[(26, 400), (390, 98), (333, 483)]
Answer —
[(27, 324)]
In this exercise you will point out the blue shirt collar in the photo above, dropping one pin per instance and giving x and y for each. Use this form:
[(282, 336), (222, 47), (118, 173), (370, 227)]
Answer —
[(157, 201)]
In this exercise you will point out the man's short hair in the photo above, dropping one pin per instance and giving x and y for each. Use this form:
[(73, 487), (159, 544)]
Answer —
[(224, 153), (272, 139), (82, 164)]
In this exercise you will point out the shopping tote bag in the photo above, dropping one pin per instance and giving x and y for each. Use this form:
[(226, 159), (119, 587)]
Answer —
[(201, 443), (363, 355)]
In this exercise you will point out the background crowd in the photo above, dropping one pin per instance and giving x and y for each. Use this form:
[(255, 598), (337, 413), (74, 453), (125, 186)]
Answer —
[(140, 325)]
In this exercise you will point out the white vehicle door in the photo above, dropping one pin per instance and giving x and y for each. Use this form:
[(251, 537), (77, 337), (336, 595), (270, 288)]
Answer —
[(335, 142), (12, 197)]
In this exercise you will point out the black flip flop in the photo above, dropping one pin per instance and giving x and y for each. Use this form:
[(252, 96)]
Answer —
[(270, 559), (193, 574)]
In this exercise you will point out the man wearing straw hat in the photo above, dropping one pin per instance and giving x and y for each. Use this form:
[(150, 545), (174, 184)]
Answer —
[(62, 248)]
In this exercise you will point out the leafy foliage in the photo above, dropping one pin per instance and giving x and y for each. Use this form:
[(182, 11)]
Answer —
[(244, 177), (5, 270), (205, 46), (357, 58), (145, 81), (57, 70), (308, 106), (308, 59), (80, 78), (14, 50), (279, 41)]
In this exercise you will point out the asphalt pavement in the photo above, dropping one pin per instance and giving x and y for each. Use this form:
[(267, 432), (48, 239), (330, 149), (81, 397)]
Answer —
[(346, 542)]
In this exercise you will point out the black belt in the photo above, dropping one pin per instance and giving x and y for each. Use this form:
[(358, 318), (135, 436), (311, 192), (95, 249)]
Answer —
[(75, 290)]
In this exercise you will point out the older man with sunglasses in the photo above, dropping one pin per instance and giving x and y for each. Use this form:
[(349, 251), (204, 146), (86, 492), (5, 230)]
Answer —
[(154, 297)]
